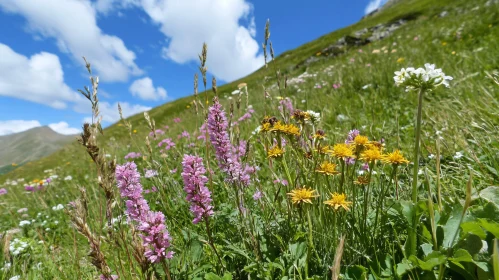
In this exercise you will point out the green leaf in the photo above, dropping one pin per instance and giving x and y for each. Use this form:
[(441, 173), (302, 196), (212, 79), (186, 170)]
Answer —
[(472, 244), (357, 272), (491, 194), (435, 258), (491, 227), (403, 267), (405, 208), (473, 227), (227, 276), (452, 225), (427, 248), (211, 276), (461, 255)]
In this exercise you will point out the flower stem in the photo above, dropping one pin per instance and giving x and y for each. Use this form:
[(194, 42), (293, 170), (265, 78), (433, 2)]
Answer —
[(412, 230)]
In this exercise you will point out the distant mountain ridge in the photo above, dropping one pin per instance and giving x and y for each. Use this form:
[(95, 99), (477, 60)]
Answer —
[(19, 148)]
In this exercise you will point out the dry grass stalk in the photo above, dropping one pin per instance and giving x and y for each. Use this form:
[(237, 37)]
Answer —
[(335, 269)]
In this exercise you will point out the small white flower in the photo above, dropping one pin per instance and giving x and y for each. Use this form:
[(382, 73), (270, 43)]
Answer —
[(24, 223), (431, 156), (458, 155), (303, 101), (54, 176), (107, 155), (68, 178), (257, 130), (236, 92), (17, 277), (58, 207), (420, 172), (366, 86), (314, 116)]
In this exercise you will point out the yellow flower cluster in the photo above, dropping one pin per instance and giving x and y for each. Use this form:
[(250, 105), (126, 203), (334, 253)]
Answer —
[(305, 195), (275, 152), (327, 168)]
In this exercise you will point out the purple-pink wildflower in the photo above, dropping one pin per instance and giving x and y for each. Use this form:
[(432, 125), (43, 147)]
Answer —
[(157, 131), (29, 188), (219, 137), (176, 120), (351, 135), (194, 185), (3, 191), (155, 234), (247, 115), (156, 237), (133, 155), (167, 142), (150, 173), (350, 161), (281, 181), (185, 134), (286, 103), (257, 195)]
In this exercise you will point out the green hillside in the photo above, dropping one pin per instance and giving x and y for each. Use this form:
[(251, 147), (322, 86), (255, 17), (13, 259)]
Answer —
[(474, 50), (19, 148), (306, 211)]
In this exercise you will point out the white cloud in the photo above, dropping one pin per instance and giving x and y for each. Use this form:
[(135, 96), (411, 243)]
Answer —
[(14, 126), (39, 78), (64, 128), (233, 51), (373, 5), (72, 23), (144, 89), (110, 114)]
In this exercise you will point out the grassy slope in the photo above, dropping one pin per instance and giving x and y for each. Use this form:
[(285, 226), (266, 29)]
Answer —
[(353, 76), (33, 144)]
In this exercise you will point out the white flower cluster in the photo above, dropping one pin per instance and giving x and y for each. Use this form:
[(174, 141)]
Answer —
[(426, 78), (18, 246), (314, 116)]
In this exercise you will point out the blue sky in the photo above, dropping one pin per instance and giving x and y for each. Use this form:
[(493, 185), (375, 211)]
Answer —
[(144, 51)]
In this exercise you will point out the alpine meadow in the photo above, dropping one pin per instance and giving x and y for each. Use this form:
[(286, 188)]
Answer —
[(369, 153)]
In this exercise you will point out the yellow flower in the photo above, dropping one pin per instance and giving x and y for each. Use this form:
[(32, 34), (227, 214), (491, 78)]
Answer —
[(320, 134), (394, 158), (318, 54), (135, 131), (400, 60), (323, 149), (14, 164), (188, 106), (327, 168), (337, 201), (342, 151), (361, 180), (68, 163), (444, 44), (291, 129), (207, 102), (303, 194), (360, 141), (371, 154), (120, 124), (265, 127), (275, 152), (453, 52)]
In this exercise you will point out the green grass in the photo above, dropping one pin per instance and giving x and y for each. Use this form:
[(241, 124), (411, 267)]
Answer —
[(464, 44)]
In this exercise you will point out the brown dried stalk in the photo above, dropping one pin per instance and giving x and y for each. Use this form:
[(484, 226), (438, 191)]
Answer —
[(88, 138), (78, 211)]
